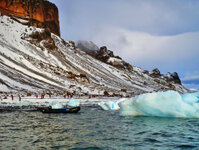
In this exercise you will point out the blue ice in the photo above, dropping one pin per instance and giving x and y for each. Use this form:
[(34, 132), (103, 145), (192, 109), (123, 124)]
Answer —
[(73, 102), (58, 105), (111, 105), (162, 104)]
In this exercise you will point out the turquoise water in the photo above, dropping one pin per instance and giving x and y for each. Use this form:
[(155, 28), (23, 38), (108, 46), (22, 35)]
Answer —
[(93, 128)]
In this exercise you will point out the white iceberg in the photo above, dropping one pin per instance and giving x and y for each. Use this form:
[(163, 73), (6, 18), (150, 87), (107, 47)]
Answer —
[(73, 103), (191, 97), (111, 105), (56, 105), (162, 104)]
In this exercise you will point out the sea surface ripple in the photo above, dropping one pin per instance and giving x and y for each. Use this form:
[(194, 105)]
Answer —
[(93, 128)]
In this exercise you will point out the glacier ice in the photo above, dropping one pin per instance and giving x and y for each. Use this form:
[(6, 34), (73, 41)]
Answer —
[(56, 105), (111, 105), (191, 97), (162, 104), (73, 102)]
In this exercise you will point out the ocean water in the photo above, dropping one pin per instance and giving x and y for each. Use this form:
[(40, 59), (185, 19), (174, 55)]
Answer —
[(93, 128)]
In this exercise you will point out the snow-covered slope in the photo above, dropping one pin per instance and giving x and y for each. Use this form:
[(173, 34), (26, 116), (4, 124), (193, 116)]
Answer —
[(34, 60)]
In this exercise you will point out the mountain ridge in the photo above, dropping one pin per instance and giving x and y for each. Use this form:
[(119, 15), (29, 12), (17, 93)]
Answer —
[(38, 61)]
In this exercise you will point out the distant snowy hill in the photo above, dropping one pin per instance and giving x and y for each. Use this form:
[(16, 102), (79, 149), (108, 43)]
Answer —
[(34, 60)]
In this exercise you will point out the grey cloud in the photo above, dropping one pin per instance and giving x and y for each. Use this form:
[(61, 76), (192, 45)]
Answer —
[(169, 53), (159, 17), (147, 33)]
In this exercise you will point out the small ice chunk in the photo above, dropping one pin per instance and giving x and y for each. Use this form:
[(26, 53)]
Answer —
[(111, 105), (56, 105), (73, 103)]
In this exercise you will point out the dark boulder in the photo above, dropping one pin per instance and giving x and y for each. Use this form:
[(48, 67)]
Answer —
[(173, 77), (155, 73)]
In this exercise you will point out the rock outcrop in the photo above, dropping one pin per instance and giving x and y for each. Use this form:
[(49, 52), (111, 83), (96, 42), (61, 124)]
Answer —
[(103, 54), (173, 77), (169, 77), (38, 13), (155, 73), (107, 56)]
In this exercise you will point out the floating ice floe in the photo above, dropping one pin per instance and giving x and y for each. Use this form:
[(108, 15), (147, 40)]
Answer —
[(73, 102), (191, 97), (162, 104), (56, 105), (111, 105)]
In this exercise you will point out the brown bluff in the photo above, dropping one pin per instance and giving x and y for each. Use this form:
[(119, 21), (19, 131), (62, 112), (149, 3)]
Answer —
[(38, 13)]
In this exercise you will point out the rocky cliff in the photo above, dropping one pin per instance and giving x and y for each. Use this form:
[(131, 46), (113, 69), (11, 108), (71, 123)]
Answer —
[(38, 13), (34, 60), (107, 56)]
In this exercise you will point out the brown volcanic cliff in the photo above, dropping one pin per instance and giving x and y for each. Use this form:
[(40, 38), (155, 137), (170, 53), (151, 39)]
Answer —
[(39, 13)]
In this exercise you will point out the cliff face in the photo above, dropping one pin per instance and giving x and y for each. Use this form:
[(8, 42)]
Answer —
[(39, 13), (44, 62)]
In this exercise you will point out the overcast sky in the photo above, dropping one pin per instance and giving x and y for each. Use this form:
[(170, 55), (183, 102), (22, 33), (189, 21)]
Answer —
[(145, 33)]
